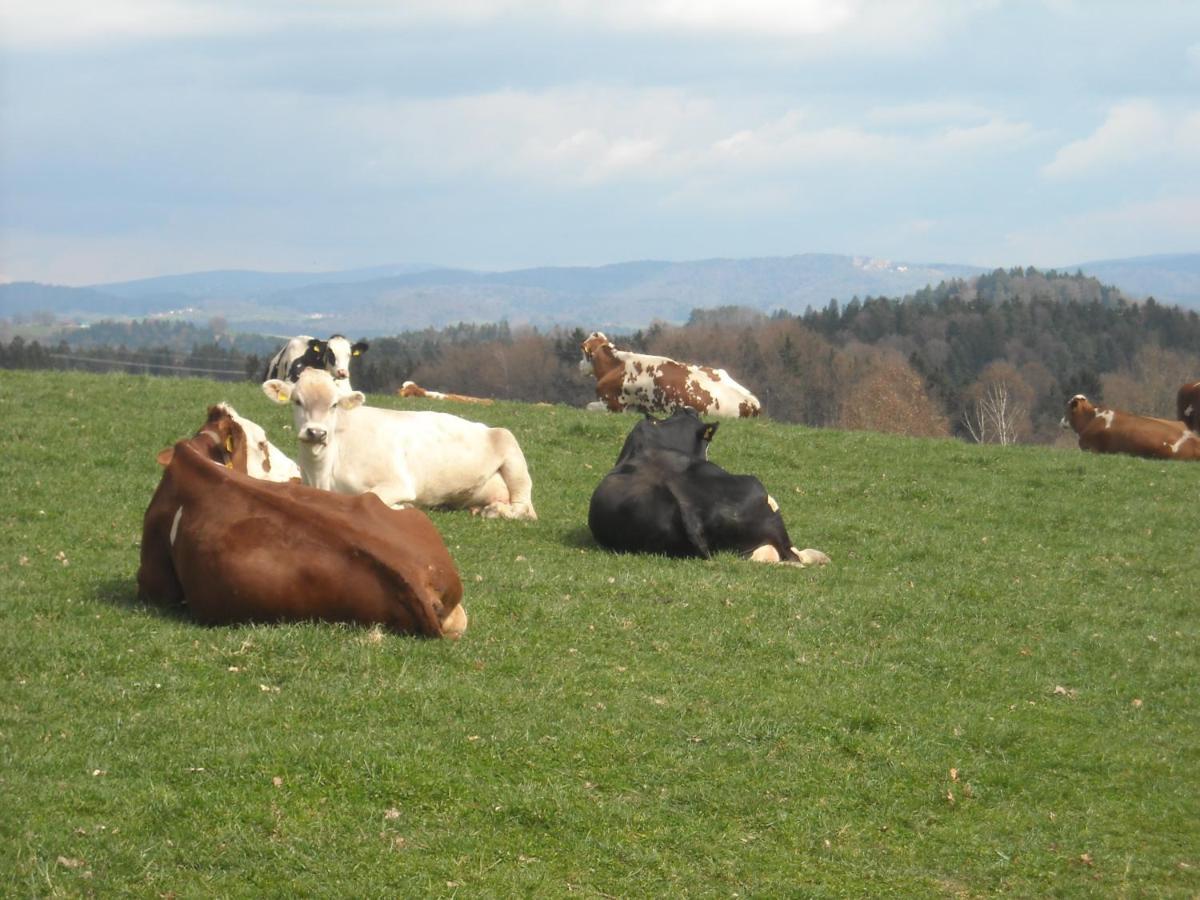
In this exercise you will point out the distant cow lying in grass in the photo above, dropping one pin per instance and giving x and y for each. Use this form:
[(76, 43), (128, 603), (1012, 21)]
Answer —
[(1187, 405), (237, 549), (656, 384), (1104, 430), (406, 457), (412, 389), (664, 496)]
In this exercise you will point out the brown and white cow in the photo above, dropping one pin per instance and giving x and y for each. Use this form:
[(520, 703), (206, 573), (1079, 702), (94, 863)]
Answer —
[(1187, 405), (423, 458), (1104, 430), (656, 384), (412, 389), (244, 446), (238, 549)]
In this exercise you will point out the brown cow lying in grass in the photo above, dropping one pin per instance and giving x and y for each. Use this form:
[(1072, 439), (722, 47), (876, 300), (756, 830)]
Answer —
[(238, 549), (412, 389), (1104, 430)]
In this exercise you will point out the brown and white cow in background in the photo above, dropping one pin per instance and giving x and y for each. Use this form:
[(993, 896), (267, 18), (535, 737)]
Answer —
[(1104, 430), (422, 458), (1187, 405), (237, 549), (656, 384), (412, 389)]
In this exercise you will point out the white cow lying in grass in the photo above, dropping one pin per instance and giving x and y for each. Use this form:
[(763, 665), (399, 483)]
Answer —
[(418, 458)]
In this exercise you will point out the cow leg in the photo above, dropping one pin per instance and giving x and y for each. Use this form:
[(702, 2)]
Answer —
[(808, 557), (398, 494), (515, 473), (156, 578)]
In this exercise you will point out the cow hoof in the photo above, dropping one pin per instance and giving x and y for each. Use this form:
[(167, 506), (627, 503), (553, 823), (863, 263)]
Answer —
[(766, 554), (810, 557), (509, 511), (455, 624)]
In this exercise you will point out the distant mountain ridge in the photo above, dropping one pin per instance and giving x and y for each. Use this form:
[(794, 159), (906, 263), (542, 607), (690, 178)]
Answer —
[(621, 296)]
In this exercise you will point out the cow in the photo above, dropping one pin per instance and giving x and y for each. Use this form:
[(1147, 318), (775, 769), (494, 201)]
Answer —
[(244, 446), (303, 352), (656, 384), (421, 458), (236, 549), (412, 389), (664, 496), (1104, 430), (1187, 405)]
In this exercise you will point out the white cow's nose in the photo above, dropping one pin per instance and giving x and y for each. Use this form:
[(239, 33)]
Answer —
[(314, 435), (341, 373)]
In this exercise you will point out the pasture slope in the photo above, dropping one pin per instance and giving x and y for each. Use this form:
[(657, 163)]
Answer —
[(991, 690)]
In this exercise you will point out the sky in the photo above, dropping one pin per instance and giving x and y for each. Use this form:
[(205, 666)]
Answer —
[(152, 137)]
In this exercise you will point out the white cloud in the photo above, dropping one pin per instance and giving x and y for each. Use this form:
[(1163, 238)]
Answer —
[(881, 22), (1135, 133), (55, 22)]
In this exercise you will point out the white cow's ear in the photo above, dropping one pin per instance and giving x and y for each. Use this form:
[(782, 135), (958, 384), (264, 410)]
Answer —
[(279, 391), (352, 400)]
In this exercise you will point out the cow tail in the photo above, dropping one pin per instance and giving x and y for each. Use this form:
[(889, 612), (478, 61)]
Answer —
[(693, 528)]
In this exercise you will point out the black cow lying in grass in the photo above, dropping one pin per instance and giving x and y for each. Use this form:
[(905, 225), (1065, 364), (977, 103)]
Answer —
[(664, 496)]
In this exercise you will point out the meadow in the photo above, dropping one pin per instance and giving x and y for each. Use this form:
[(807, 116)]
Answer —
[(991, 690)]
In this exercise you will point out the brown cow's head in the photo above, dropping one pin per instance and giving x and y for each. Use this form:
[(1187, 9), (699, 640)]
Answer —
[(232, 441), (410, 389), (590, 347), (221, 439), (1080, 412)]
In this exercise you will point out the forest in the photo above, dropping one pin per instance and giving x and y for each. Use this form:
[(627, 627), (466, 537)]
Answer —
[(992, 359)]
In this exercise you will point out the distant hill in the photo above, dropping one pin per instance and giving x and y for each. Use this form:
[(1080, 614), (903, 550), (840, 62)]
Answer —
[(622, 296), (1170, 279)]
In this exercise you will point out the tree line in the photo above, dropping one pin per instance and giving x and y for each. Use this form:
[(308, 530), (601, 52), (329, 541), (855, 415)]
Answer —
[(991, 359)]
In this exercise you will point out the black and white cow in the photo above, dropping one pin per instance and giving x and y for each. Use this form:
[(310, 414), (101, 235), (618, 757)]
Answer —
[(664, 496), (303, 352)]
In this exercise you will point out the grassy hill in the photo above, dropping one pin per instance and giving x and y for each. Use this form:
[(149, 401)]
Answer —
[(991, 689)]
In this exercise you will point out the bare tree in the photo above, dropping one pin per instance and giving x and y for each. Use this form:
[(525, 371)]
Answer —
[(994, 417)]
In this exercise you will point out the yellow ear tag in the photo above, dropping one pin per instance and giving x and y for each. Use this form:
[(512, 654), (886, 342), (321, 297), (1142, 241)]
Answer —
[(229, 465), (279, 398), (708, 433), (228, 444), (356, 353)]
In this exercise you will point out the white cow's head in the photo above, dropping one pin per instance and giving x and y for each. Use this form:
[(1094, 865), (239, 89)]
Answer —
[(338, 353), (316, 401)]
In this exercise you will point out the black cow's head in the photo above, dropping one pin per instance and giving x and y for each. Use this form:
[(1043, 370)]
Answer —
[(683, 432)]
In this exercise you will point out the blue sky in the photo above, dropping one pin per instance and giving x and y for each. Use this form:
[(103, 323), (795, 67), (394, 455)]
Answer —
[(147, 137)]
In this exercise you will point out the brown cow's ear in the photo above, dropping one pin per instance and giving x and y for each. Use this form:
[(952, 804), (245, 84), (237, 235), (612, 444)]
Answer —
[(165, 456)]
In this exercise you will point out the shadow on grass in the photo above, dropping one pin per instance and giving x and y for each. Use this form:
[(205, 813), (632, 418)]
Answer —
[(581, 539), (122, 593)]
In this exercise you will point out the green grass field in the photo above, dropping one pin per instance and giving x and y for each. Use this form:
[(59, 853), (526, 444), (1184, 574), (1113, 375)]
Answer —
[(993, 688)]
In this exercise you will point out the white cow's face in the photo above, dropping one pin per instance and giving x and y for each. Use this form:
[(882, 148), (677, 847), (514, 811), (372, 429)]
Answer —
[(316, 402), (339, 351)]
